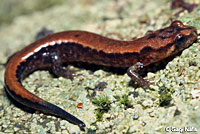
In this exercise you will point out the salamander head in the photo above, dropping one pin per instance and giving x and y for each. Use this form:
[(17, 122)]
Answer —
[(186, 35), (167, 42), (177, 36)]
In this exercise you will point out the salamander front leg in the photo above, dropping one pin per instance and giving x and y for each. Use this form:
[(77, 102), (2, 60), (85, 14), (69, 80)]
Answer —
[(133, 73)]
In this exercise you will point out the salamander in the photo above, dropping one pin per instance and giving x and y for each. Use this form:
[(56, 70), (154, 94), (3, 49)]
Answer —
[(52, 51)]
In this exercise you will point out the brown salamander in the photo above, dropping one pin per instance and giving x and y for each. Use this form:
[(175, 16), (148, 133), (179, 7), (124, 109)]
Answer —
[(53, 50)]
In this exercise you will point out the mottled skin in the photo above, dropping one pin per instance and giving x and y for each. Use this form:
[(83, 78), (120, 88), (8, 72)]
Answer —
[(53, 50)]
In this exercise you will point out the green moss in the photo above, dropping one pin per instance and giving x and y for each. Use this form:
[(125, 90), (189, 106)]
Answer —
[(125, 101), (103, 103), (139, 102), (165, 96)]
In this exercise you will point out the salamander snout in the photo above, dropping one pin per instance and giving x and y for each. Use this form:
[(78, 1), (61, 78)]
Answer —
[(177, 23)]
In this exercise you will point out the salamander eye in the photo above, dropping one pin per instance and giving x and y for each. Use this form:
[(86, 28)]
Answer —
[(177, 23), (179, 38)]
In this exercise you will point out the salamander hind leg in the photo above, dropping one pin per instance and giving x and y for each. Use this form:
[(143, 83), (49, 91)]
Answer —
[(133, 73), (59, 70)]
